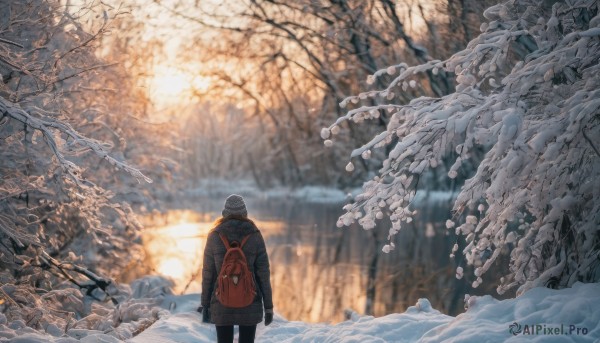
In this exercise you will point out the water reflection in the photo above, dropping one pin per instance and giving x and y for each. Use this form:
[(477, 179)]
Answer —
[(174, 244), (175, 251), (317, 269)]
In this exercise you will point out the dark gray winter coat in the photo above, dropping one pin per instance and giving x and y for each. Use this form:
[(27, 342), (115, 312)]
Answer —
[(258, 263)]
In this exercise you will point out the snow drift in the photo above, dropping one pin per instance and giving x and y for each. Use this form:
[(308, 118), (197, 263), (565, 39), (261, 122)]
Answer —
[(539, 315)]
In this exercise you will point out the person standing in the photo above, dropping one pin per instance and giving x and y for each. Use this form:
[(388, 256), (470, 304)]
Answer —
[(236, 279)]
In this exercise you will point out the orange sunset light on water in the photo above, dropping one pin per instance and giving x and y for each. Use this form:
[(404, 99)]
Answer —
[(175, 243)]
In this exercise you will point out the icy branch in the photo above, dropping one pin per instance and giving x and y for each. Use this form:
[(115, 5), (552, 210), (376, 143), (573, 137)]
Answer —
[(527, 94), (47, 125)]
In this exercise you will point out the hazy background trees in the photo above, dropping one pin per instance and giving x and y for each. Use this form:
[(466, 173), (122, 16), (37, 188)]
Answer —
[(287, 66)]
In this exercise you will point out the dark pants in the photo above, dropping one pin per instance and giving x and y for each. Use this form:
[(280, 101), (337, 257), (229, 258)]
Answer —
[(225, 333)]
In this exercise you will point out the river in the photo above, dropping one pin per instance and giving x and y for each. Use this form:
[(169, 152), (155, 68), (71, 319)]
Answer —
[(318, 270)]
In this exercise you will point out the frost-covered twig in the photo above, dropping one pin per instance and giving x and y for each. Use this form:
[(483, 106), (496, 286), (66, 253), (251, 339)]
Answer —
[(46, 127), (590, 141), (4, 40), (8, 227), (97, 281), (9, 298)]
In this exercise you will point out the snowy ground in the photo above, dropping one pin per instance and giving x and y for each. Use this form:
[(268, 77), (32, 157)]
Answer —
[(540, 315), (539, 312)]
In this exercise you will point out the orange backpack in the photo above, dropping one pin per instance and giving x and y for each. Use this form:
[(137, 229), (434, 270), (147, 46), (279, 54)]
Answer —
[(235, 285)]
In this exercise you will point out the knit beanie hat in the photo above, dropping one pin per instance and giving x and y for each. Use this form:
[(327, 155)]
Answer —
[(234, 205)]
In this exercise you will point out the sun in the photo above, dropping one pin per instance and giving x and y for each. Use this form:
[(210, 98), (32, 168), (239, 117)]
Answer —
[(170, 85)]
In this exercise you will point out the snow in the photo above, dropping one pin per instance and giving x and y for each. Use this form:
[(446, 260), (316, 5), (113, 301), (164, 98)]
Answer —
[(180, 327), (533, 127), (485, 320), (248, 188)]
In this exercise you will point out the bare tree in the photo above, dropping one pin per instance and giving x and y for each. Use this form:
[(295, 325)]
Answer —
[(296, 62)]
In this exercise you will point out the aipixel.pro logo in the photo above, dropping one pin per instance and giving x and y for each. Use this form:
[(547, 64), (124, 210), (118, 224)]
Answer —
[(515, 328), (545, 329)]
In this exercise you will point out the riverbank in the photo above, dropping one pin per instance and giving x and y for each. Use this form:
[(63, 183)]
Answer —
[(539, 315), (309, 193)]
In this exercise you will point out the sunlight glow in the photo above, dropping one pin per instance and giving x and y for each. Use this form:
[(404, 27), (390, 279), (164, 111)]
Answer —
[(172, 267), (176, 249), (169, 85)]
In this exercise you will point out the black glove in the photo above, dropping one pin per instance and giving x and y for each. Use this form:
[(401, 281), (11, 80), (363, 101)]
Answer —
[(206, 315), (268, 316)]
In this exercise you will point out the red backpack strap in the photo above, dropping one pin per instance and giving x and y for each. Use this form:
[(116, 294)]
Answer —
[(245, 240), (225, 241)]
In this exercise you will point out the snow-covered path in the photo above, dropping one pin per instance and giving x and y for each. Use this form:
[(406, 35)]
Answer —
[(406, 327), (179, 327), (540, 315)]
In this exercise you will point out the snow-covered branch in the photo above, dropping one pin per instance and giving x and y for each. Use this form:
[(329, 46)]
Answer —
[(527, 94), (48, 125)]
